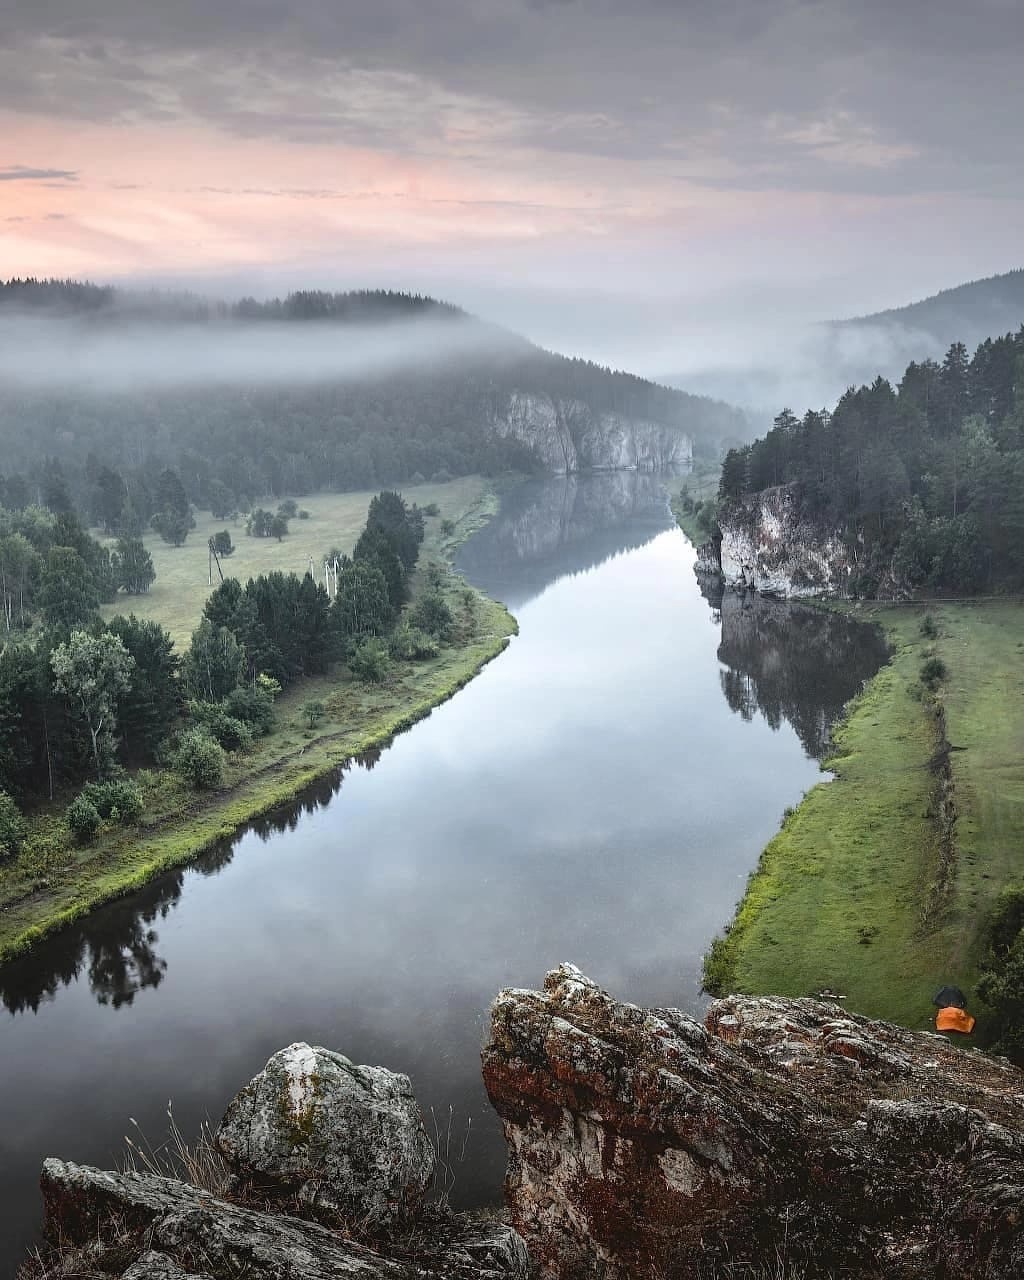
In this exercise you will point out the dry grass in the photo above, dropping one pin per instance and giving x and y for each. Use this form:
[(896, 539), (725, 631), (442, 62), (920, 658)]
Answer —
[(198, 1162)]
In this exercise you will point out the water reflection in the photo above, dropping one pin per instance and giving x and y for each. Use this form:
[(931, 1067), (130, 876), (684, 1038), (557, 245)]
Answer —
[(788, 662), (551, 529)]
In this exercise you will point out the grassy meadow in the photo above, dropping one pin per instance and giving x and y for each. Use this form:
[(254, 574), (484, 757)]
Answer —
[(853, 894), (182, 584), (54, 881)]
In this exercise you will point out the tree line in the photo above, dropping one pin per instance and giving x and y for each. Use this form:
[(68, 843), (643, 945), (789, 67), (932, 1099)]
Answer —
[(925, 479), (83, 702)]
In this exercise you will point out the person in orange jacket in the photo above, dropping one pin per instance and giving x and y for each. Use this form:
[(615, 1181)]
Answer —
[(952, 1015)]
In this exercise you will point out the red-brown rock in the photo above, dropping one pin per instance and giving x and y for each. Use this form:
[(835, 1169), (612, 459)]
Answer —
[(783, 1134)]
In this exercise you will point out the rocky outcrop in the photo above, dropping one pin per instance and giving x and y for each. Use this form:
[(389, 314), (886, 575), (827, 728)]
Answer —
[(348, 1141), (179, 1230), (328, 1167), (768, 544), (569, 436), (782, 1137)]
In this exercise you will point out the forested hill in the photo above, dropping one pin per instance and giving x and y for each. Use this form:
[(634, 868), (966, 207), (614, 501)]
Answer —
[(924, 481), (269, 399), (969, 313)]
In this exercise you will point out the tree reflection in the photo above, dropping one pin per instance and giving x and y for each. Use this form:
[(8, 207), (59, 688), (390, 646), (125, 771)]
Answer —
[(788, 662)]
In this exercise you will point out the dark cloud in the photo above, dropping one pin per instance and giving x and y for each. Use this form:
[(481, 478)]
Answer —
[(25, 173)]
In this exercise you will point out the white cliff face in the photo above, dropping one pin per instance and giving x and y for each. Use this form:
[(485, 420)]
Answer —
[(768, 547), (569, 436)]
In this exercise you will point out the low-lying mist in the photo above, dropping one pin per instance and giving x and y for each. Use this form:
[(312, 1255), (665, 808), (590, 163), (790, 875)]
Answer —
[(50, 353)]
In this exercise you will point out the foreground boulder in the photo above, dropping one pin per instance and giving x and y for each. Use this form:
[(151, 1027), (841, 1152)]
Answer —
[(347, 1141), (784, 1135), (146, 1228)]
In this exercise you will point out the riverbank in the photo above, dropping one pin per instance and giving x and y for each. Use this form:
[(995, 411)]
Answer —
[(54, 882), (700, 486), (879, 884)]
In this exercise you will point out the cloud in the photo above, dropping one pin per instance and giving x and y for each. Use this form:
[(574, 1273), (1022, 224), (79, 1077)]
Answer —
[(24, 173), (756, 94)]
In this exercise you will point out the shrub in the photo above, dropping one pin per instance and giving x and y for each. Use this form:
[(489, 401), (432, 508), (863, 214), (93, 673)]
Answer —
[(431, 614), (83, 819), (431, 509), (120, 801), (447, 527), (314, 711), (928, 628), (409, 643), (232, 734), (254, 707), (13, 828), (303, 513), (289, 508), (222, 543), (933, 672), (371, 661), (199, 759)]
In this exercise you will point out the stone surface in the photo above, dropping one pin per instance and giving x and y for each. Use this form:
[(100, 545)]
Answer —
[(347, 1140), (182, 1231), (569, 436), (160, 1266), (643, 1144), (767, 545)]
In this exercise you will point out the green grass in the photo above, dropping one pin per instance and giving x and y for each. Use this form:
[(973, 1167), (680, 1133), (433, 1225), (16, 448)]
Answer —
[(182, 584), (701, 483), (53, 882), (849, 895)]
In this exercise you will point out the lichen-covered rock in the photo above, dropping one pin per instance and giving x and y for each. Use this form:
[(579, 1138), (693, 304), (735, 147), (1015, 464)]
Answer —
[(643, 1144), (160, 1266), (180, 1231), (347, 1140)]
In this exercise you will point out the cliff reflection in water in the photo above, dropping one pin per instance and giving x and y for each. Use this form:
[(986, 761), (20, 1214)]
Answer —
[(550, 529), (790, 662)]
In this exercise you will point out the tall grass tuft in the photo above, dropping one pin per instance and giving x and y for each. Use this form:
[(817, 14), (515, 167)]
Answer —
[(198, 1162)]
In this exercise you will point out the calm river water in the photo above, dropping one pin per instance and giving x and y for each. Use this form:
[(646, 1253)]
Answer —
[(598, 795)]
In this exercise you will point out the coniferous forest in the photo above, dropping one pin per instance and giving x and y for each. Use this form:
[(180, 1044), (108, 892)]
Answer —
[(928, 476)]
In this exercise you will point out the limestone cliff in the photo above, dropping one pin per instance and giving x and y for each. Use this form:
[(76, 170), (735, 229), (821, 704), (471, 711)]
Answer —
[(569, 436), (782, 1137), (769, 545)]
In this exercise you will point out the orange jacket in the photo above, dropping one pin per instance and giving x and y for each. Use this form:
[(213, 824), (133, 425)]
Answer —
[(954, 1019)]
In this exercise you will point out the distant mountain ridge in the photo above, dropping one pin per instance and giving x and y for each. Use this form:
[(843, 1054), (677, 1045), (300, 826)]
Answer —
[(967, 313), (314, 391)]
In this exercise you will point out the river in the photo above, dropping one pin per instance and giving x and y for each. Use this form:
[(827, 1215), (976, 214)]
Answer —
[(598, 794)]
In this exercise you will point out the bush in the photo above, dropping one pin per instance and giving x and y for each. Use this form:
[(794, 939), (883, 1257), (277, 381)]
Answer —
[(933, 672), (83, 819), (431, 509), (303, 513), (254, 707), (199, 759), (13, 827), (431, 614), (289, 509), (1001, 984), (447, 527), (314, 711), (411, 644), (120, 801), (232, 734), (928, 628), (371, 661)]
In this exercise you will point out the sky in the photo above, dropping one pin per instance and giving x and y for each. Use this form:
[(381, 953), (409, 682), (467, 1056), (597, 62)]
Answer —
[(613, 177)]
